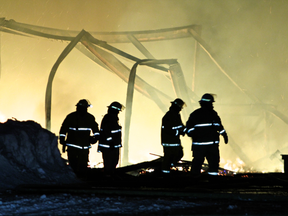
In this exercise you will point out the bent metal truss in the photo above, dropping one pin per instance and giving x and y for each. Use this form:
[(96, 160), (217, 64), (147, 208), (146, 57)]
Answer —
[(96, 46)]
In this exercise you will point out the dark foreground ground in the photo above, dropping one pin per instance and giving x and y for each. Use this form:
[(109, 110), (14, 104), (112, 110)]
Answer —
[(150, 194), (93, 204)]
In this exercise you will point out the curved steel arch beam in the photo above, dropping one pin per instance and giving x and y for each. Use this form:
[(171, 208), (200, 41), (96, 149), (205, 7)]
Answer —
[(129, 98), (48, 95), (109, 36)]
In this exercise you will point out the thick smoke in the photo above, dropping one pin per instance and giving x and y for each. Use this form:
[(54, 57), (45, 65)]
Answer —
[(247, 37)]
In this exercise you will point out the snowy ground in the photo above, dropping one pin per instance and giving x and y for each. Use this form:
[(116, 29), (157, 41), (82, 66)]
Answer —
[(67, 204), (90, 204)]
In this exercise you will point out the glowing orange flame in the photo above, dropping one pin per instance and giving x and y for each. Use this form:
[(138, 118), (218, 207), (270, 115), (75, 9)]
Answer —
[(238, 166)]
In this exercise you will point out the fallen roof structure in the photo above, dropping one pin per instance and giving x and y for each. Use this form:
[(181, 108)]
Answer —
[(96, 46)]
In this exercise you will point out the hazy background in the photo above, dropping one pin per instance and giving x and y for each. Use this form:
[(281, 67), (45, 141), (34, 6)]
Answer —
[(249, 38)]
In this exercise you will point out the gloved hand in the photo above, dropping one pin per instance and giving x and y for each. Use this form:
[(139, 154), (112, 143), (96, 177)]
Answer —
[(64, 148), (182, 132), (225, 136), (62, 140), (93, 139)]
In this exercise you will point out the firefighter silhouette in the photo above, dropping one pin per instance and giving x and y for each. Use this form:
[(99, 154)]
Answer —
[(78, 131), (204, 126), (172, 128), (110, 140)]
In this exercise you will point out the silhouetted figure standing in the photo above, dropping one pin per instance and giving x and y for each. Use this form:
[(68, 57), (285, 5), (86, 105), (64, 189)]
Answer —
[(172, 128), (204, 126), (111, 138), (75, 133)]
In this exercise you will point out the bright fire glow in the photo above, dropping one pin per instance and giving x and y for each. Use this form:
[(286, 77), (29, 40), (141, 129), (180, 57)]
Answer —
[(238, 166), (2, 118)]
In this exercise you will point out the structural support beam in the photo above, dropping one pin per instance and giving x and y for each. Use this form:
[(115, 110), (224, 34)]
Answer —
[(123, 72), (48, 96), (180, 87), (129, 99), (11, 26), (140, 47)]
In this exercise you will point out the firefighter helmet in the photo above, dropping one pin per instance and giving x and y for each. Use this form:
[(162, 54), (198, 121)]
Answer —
[(84, 103), (116, 105), (208, 98), (180, 103)]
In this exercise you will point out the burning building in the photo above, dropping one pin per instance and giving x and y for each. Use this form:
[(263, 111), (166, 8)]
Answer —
[(253, 108)]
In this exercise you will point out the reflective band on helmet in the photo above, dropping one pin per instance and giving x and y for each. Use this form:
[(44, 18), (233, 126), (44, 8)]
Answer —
[(62, 135), (170, 144), (77, 146), (223, 131), (115, 108), (96, 134), (205, 143)]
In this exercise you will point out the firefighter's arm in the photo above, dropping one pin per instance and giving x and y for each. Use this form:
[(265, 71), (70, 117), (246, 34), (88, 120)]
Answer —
[(116, 132), (189, 129), (170, 127), (63, 142), (62, 138), (63, 131), (63, 148), (183, 131), (225, 136), (96, 134)]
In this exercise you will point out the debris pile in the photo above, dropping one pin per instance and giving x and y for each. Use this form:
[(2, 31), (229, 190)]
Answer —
[(29, 155)]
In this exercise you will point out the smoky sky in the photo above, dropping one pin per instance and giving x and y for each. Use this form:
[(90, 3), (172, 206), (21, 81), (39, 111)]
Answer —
[(248, 37)]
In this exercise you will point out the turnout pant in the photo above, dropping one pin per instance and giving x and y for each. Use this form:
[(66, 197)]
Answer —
[(78, 160), (110, 159), (171, 156), (211, 152)]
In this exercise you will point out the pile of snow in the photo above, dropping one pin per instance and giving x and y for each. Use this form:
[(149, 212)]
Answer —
[(29, 154)]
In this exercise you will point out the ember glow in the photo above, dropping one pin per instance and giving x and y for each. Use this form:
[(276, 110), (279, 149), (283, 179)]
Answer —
[(235, 167)]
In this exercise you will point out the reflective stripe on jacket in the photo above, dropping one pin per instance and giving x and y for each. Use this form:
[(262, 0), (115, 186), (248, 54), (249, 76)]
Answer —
[(77, 129), (204, 126), (172, 128), (110, 132)]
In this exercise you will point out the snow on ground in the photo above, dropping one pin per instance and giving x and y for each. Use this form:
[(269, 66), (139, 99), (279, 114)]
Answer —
[(68, 204), (91, 204)]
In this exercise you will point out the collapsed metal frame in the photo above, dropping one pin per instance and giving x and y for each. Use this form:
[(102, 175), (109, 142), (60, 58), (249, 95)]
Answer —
[(101, 53)]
